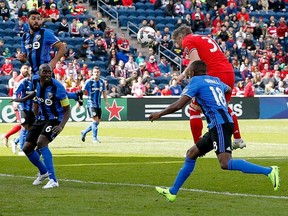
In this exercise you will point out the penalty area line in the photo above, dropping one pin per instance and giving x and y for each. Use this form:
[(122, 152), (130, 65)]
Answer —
[(152, 186)]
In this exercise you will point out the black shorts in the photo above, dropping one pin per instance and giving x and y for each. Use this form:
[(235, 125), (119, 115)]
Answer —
[(94, 112), (217, 138), (42, 128), (27, 117)]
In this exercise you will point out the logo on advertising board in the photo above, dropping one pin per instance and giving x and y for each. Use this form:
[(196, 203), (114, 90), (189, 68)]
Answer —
[(151, 108), (114, 111)]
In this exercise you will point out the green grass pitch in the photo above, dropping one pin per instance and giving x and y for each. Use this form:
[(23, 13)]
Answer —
[(119, 175)]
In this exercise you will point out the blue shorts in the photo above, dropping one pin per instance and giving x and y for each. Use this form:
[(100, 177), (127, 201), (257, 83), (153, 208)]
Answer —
[(217, 138)]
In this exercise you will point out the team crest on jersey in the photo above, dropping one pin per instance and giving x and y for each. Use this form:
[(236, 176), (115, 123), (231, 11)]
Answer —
[(36, 45), (48, 101)]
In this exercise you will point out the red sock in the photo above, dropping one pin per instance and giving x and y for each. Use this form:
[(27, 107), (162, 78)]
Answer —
[(13, 130), (236, 133), (196, 124)]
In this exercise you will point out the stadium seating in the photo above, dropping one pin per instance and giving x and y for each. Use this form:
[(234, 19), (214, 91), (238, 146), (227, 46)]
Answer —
[(5, 79), (4, 89)]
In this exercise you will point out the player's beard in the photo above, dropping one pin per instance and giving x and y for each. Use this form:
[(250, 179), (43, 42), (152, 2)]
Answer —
[(35, 28)]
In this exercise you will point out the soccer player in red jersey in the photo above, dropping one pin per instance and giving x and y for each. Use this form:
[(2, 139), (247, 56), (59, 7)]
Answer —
[(201, 47)]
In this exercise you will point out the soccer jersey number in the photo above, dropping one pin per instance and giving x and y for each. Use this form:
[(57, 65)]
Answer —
[(215, 45), (218, 95)]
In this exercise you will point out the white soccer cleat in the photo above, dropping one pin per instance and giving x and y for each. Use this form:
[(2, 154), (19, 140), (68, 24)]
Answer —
[(21, 153), (40, 178), (96, 141), (13, 146), (239, 143), (51, 184), (5, 141)]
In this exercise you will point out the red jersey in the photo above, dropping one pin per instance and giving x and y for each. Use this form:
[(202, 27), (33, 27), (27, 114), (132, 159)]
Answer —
[(209, 52), (123, 43), (60, 71), (7, 69), (249, 90)]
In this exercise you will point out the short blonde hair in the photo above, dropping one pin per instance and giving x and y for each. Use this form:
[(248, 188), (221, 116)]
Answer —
[(182, 31)]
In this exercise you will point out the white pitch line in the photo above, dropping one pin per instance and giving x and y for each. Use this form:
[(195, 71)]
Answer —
[(152, 186)]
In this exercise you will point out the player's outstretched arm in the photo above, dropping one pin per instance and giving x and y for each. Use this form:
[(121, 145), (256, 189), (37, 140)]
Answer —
[(179, 104), (24, 99)]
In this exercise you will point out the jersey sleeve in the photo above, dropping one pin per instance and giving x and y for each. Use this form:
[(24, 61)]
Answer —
[(50, 37), (188, 44), (86, 85), (191, 89)]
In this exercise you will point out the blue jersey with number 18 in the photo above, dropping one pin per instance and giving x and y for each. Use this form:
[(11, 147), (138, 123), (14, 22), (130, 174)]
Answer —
[(210, 95)]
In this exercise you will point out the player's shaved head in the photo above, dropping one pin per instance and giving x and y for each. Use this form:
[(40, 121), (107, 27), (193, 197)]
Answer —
[(197, 68)]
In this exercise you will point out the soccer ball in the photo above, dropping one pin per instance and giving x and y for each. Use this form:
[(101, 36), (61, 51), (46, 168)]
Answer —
[(146, 36)]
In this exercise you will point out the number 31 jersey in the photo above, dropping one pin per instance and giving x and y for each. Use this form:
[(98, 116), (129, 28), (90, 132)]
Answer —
[(209, 52), (210, 94)]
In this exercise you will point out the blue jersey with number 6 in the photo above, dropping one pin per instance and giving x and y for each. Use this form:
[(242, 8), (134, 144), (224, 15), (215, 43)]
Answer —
[(210, 95)]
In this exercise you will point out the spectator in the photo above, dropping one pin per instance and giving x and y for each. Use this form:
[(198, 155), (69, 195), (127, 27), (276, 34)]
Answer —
[(142, 69), (120, 71), (59, 71), (156, 91), (148, 89), (166, 43), (269, 88), (100, 22), (179, 8), (111, 67), (280, 89), (208, 21), (131, 65), (223, 34), (53, 13), (153, 68), (197, 24), (113, 55), (140, 58), (123, 44), (147, 78), (246, 72), (84, 30), (111, 40), (132, 79), (170, 9), (198, 12), (279, 6), (249, 89), (249, 42), (272, 30), (100, 51), (44, 12), (63, 28), (152, 24), (138, 88), (187, 20), (23, 11), (166, 91), (231, 9), (7, 68), (123, 88), (74, 29), (243, 15), (63, 7), (4, 12), (175, 88), (164, 67), (81, 52), (238, 90), (71, 70), (20, 27)]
